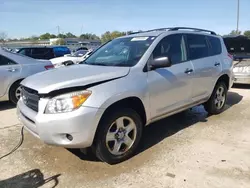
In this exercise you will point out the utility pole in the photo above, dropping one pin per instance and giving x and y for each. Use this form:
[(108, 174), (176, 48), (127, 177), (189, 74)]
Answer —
[(238, 16), (58, 29)]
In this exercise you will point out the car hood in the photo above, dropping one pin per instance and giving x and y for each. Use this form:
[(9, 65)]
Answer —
[(72, 76), (59, 60)]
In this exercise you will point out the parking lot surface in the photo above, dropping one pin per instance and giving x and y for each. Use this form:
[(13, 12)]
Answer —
[(189, 149)]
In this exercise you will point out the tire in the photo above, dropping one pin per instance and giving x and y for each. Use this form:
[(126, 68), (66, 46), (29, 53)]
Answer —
[(13, 92), (216, 103), (107, 151), (68, 63)]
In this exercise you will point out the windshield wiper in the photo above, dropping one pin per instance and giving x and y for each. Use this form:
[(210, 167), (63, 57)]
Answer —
[(99, 64)]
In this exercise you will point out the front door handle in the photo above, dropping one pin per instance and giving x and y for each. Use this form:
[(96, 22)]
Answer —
[(217, 64), (188, 71), (11, 70)]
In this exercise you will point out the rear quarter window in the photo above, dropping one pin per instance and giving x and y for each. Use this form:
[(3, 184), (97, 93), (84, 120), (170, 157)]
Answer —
[(215, 45)]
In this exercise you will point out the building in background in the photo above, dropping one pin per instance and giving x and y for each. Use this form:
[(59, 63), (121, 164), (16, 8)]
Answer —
[(72, 43)]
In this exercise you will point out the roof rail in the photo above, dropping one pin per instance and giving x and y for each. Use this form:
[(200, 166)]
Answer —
[(191, 28), (176, 29)]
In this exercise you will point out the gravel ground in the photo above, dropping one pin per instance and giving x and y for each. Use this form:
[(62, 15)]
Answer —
[(186, 150)]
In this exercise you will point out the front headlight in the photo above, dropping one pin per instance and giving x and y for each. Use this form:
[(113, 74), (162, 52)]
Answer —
[(67, 102)]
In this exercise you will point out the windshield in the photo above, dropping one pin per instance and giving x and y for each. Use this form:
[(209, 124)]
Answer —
[(79, 53), (121, 52)]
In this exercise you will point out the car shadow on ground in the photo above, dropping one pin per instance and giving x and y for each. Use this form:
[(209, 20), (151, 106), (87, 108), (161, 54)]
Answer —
[(6, 105), (31, 179), (158, 131), (241, 86), (169, 126)]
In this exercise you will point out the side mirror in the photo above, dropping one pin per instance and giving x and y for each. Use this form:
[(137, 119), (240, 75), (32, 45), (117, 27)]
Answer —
[(160, 62)]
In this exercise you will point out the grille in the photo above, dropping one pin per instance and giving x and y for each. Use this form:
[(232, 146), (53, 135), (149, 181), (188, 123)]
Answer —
[(30, 98)]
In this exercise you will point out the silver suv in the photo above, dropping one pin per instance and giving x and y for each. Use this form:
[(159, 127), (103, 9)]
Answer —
[(128, 83)]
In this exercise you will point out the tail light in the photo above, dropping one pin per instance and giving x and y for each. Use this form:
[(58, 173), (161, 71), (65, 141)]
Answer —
[(231, 56), (47, 67)]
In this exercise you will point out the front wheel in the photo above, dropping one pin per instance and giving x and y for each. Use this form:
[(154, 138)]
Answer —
[(217, 101), (15, 92), (118, 136)]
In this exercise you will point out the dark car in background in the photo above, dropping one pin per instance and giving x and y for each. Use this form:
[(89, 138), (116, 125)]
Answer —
[(44, 52), (239, 47)]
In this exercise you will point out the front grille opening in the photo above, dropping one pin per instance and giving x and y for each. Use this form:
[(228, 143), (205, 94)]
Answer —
[(30, 98)]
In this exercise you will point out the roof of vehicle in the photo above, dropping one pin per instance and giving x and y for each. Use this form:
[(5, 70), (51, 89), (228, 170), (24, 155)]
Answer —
[(19, 58), (159, 31), (27, 47)]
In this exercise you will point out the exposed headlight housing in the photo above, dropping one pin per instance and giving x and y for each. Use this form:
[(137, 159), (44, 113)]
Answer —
[(67, 102)]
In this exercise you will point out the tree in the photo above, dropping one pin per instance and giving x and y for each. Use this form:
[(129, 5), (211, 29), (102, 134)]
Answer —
[(45, 36), (234, 32), (52, 36), (107, 36), (247, 33), (70, 35), (3, 37), (89, 36), (61, 36)]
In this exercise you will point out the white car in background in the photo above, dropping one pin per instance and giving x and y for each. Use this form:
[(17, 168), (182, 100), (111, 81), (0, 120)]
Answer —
[(71, 59), (13, 69)]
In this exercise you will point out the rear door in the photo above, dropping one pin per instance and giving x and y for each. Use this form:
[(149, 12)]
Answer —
[(9, 70), (206, 66)]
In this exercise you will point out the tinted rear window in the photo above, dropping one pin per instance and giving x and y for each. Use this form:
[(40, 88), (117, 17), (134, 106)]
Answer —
[(197, 46), (215, 45), (238, 46)]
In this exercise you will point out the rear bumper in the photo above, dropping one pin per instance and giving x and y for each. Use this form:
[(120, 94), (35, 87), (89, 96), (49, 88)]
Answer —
[(53, 129), (242, 79)]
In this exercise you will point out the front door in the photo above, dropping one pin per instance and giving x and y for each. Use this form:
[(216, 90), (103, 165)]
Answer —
[(170, 88)]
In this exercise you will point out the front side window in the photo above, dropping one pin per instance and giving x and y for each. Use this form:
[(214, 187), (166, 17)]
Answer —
[(173, 47), (197, 46), (121, 52), (6, 61)]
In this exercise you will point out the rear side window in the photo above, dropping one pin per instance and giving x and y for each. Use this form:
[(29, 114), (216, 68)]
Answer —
[(215, 45), (42, 53), (6, 61), (197, 46)]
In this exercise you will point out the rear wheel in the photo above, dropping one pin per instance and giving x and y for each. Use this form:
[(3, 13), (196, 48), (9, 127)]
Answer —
[(118, 136), (15, 92), (217, 101)]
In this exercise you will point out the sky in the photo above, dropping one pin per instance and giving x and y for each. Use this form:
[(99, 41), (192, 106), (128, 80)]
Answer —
[(23, 18)]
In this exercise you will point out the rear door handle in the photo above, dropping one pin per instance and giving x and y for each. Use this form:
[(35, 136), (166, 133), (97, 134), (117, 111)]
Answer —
[(188, 71), (216, 64)]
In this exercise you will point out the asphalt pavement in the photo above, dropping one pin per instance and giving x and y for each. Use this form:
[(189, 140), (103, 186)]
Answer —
[(190, 149)]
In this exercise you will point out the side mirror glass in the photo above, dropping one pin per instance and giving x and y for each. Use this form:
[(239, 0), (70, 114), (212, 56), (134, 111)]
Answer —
[(160, 62)]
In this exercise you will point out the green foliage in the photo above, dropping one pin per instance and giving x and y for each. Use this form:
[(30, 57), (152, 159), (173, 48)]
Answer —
[(107, 36), (45, 36), (247, 33), (234, 32), (70, 35), (62, 36), (89, 36)]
